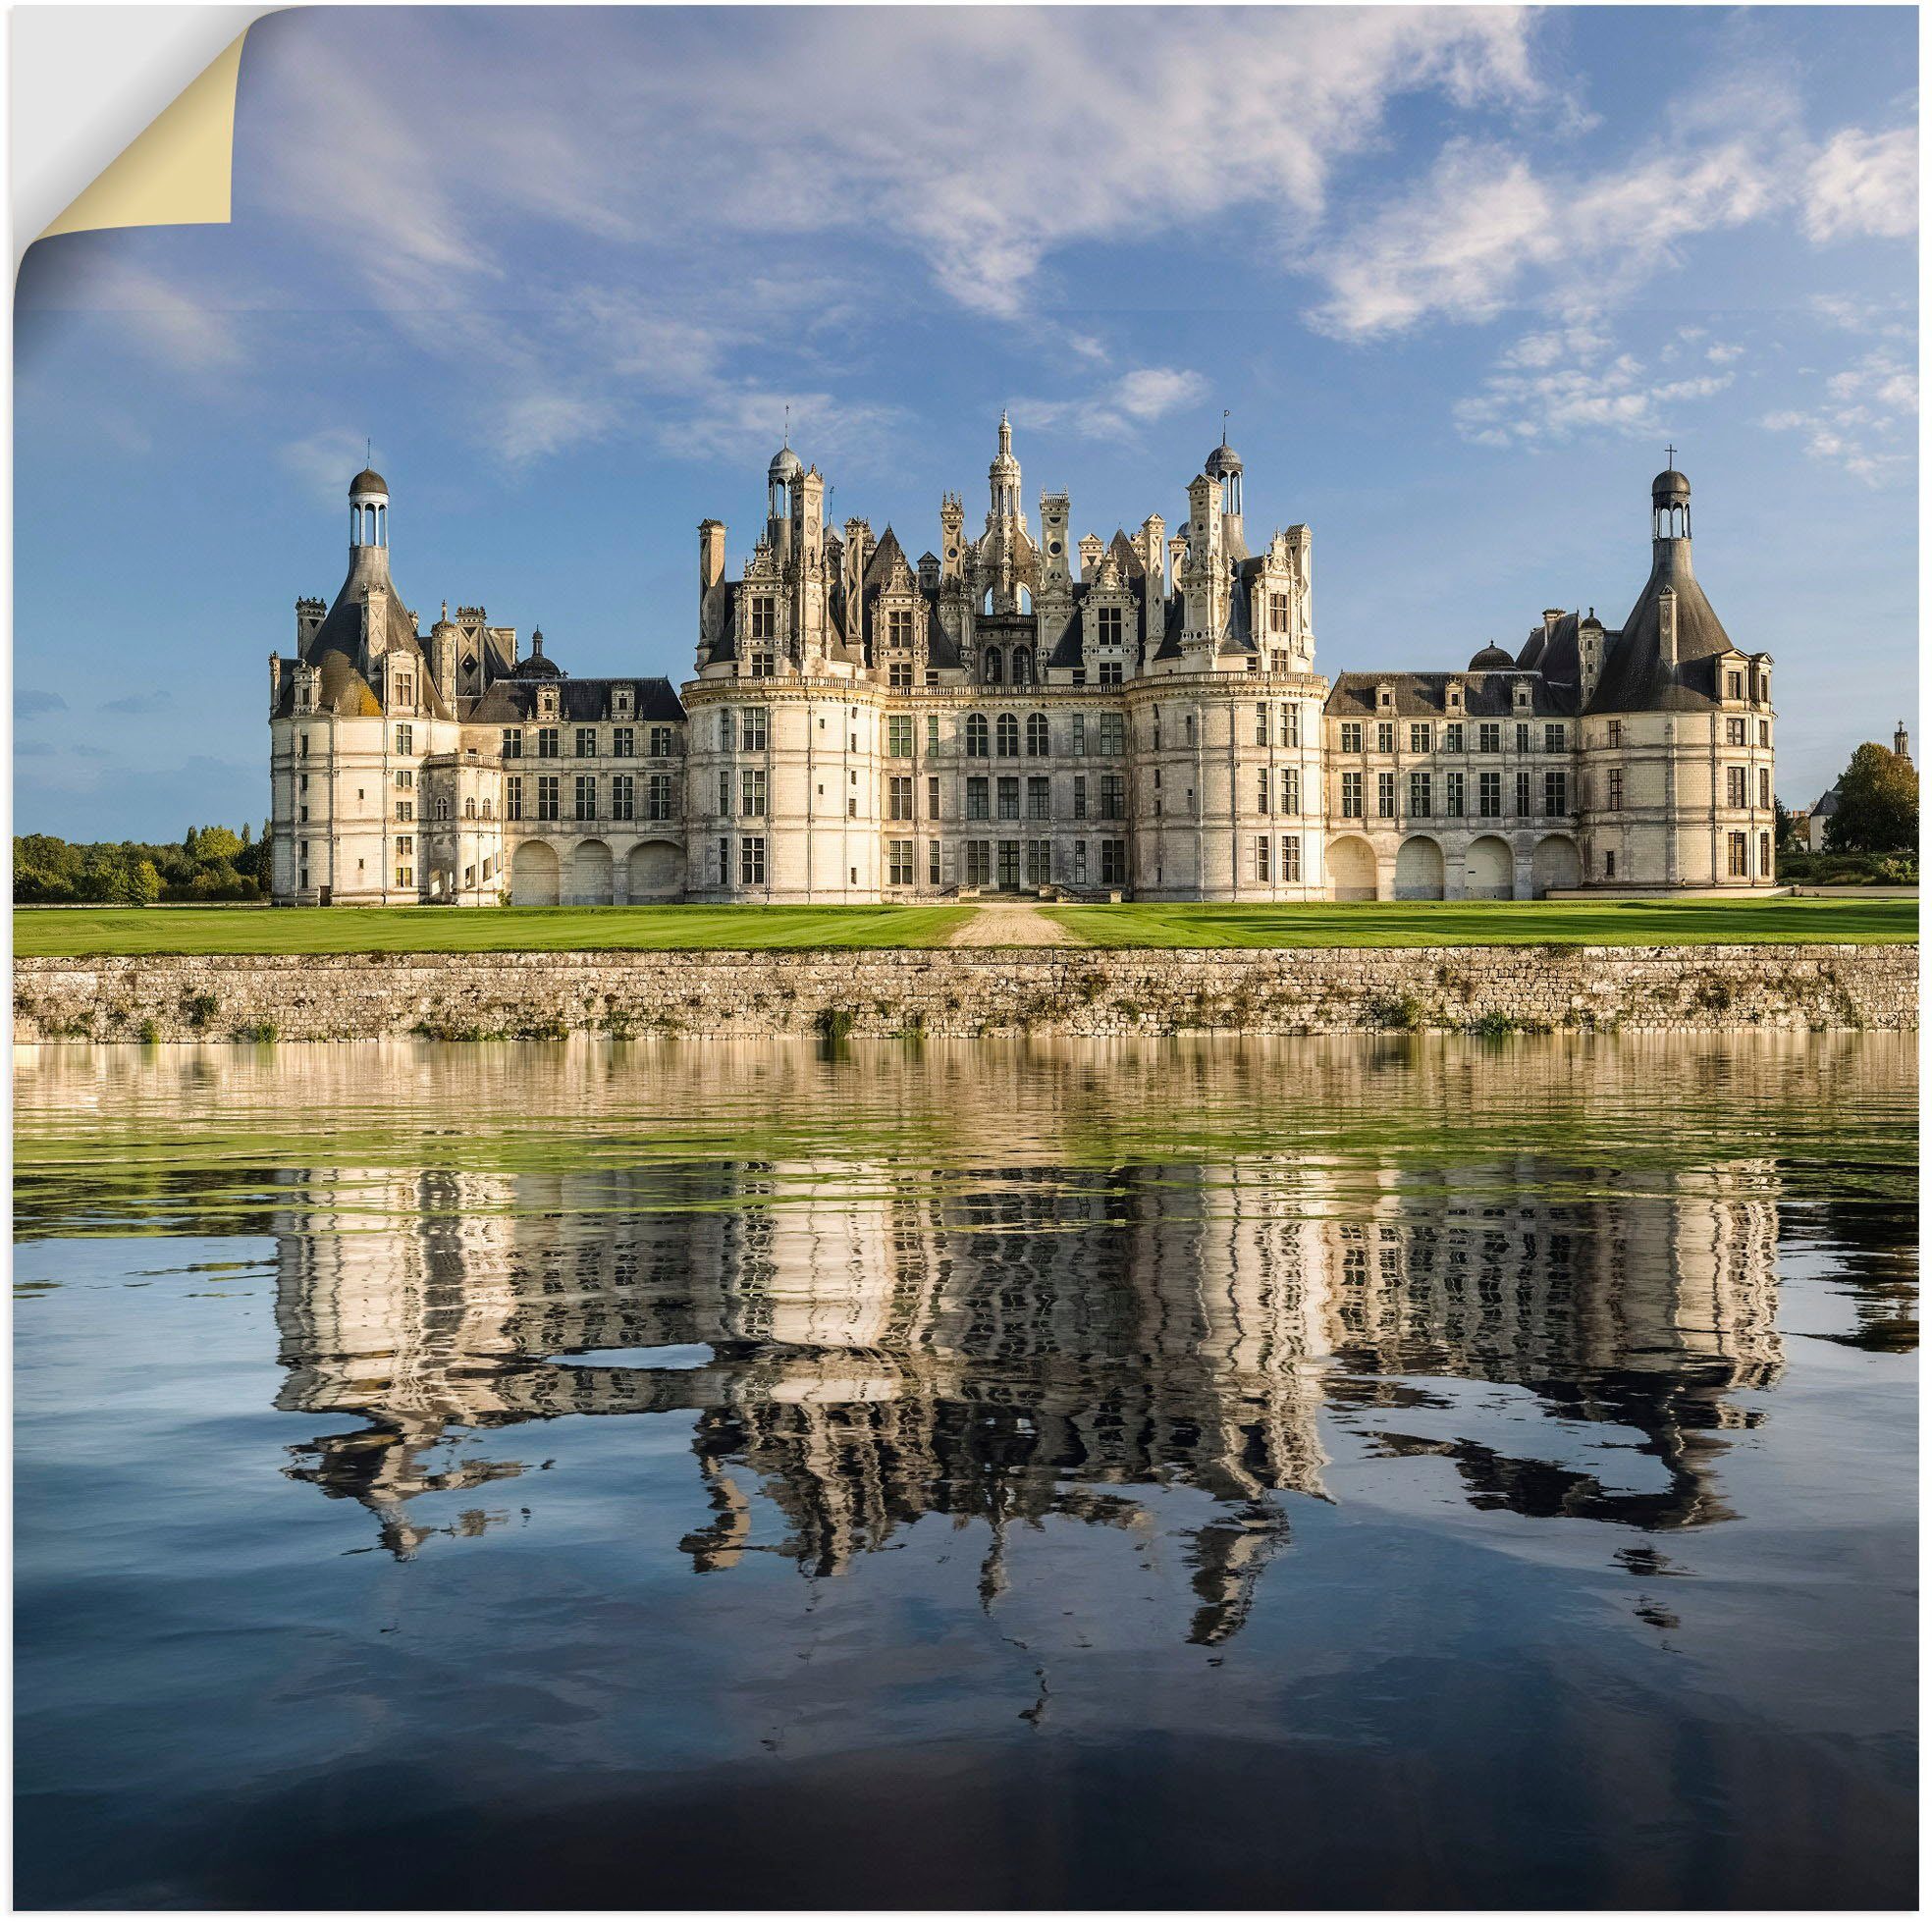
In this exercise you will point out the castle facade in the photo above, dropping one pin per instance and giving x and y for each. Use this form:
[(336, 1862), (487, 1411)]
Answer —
[(1020, 712)]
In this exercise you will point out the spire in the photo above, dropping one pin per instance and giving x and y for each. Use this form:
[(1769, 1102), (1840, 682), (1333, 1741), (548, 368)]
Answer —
[(1005, 436), (1901, 743)]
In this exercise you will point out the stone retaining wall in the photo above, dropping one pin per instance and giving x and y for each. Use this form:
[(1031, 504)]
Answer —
[(961, 991)]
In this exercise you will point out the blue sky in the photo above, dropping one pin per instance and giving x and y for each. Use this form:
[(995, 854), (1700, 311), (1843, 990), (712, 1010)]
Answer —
[(1458, 274)]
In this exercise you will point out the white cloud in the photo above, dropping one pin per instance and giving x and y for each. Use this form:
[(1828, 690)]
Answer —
[(1117, 410), (1551, 385), (1864, 183), (1863, 424)]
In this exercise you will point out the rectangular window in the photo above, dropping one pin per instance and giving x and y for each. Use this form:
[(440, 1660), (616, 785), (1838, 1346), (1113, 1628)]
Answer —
[(1277, 613), (1114, 797), (1110, 674), (1113, 734), (1079, 862), (899, 734), (657, 798), (1262, 787), (1351, 737), (1734, 730), (1552, 737), (751, 860), (899, 672), (1039, 798), (405, 779), (1260, 724), (1764, 855), (898, 864), (546, 744), (1489, 796), (1039, 863), (662, 743), (1009, 864), (1077, 738), (1735, 792), (1523, 737), (513, 744), (624, 798), (1452, 795), (1385, 796), (623, 742), (586, 743), (1291, 791), (898, 627), (586, 808), (1385, 738), (763, 617), (1280, 662), (723, 791), (1452, 738), (1291, 857), (763, 666), (513, 798), (405, 740), (1615, 784), (1109, 626), (1613, 734), (1352, 796), (405, 811), (751, 729), (1488, 737), (978, 800), (932, 864), (751, 792), (1114, 864), (1418, 795), (1764, 787), (1264, 858), (1733, 687), (546, 797), (1556, 791), (724, 861), (1080, 797), (1418, 737), (899, 800), (933, 798), (1737, 847), (406, 878), (1010, 797), (979, 863), (931, 734), (1523, 793), (1291, 724), (1765, 733)]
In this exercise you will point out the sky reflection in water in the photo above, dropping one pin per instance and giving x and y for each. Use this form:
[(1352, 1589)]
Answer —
[(1192, 1473)]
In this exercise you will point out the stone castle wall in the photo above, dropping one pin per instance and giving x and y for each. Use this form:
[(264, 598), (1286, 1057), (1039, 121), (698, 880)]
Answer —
[(962, 991)]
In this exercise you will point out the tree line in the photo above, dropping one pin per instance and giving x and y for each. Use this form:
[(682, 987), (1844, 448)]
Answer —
[(207, 864)]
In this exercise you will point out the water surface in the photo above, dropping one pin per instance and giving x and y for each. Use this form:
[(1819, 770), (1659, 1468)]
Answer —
[(1145, 1473)]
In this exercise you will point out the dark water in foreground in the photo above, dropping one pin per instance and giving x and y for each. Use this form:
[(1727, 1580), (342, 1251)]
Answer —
[(1156, 1474)]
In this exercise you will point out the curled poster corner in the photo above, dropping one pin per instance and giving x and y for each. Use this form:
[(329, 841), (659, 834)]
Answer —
[(179, 171)]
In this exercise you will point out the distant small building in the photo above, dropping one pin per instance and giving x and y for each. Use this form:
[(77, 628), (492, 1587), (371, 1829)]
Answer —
[(1812, 826)]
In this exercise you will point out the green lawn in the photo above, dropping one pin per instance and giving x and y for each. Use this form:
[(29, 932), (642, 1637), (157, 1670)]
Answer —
[(407, 930), (1491, 924)]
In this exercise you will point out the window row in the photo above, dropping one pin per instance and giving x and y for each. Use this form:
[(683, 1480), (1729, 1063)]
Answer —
[(1454, 794), (1452, 736), (1107, 734), (1288, 868), (662, 743), (540, 798)]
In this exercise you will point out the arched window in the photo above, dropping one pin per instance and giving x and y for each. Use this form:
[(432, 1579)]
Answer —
[(1007, 734), (441, 807), (992, 665), (986, 602), (469, 808), (976, 734), (1036, 733), (1026, 599), (1022, 667)]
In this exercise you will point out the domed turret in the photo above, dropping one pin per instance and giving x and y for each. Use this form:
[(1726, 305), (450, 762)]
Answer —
[(1224, 466), (1670, 504), (1490, 657), (368, 510), (785, 465)]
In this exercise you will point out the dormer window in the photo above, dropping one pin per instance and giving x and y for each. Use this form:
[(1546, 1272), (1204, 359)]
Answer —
[(1456, 695), (620, 704), (547, 704), (1385, 697)]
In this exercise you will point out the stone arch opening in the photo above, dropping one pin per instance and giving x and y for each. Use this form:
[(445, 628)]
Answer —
[(655, 872), (1418, 870), (591, 876), (1555, 864), (533, 875), (1489, 870), (1351, 870)]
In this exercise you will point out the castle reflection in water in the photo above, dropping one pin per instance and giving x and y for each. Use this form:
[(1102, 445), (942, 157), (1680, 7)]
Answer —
[(859, 1342)]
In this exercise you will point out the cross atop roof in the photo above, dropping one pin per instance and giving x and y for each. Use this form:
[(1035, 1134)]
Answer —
[(1670, 456)]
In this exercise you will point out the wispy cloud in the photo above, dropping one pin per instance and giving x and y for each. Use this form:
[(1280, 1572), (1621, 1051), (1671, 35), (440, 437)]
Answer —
[(1120, 409), (1555, 384), (1862, 423), (30, 700), (156, 701), (1864, 183)]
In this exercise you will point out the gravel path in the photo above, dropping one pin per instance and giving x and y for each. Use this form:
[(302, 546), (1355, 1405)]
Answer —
[(1012, 923)]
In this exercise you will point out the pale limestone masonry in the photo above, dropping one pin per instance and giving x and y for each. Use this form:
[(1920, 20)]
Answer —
[(963, 991)]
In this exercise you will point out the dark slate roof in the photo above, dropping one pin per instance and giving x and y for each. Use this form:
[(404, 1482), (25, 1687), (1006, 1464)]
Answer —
[(1485, 696), (512, 701), (341, 691), (340, 633), (885, 557), (1634, 677), (535, 667), (1493, 656), (718, 622), (1127, 555), (1170, 635)]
